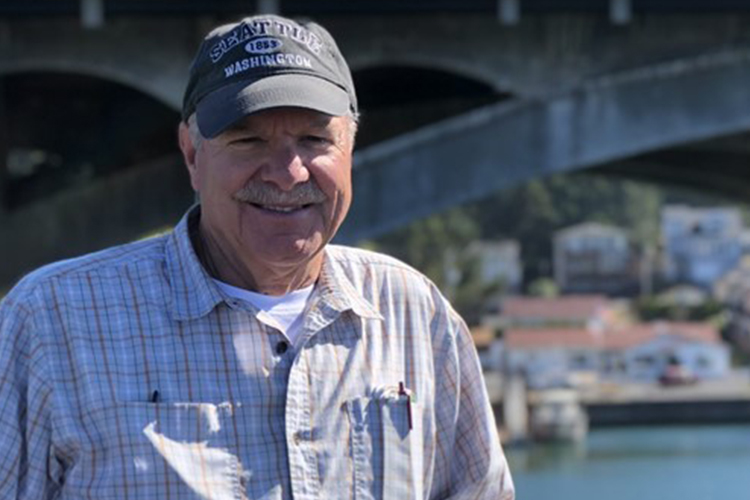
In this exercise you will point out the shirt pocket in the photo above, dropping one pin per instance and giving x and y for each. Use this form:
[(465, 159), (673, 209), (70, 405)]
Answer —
[(387, 449), (165, 448)]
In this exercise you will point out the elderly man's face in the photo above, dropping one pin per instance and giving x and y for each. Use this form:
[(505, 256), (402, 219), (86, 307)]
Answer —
[(275, 188)]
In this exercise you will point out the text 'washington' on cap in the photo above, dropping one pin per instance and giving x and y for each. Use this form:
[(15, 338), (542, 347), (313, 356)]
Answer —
[(264, 62)]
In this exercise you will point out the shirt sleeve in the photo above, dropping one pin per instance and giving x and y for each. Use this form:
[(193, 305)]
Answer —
[(475, 467), (26, 465)]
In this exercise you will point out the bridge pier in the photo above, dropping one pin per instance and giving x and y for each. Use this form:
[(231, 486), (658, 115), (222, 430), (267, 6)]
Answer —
[(3, 153), (4, 41)]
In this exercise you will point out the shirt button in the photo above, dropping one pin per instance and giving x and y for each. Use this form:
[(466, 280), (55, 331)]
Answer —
[(296, 438), (282, 347)]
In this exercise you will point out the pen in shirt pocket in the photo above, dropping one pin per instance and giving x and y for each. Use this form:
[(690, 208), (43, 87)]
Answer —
[(397, 392), (155, 397), (402, 392)]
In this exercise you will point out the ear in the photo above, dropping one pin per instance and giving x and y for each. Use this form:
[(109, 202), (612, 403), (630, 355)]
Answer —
[(188, 154)]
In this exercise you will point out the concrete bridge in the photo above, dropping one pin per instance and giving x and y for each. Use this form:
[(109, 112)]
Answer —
[(458, 103)]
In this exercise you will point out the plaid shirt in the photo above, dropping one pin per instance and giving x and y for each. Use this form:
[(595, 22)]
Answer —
[(128, 374)]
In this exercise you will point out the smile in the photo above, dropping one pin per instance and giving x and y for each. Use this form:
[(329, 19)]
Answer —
[(281, 209)]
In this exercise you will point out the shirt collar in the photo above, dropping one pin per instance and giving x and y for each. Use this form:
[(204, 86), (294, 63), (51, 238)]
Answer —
[(194, 294), (337, 292)]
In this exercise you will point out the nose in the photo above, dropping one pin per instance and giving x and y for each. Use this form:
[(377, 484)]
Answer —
[(285, 167)]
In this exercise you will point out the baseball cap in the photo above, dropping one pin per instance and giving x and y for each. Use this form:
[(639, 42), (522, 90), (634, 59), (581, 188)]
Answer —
[(263, 62)]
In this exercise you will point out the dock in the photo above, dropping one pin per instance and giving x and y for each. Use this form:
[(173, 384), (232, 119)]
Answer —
[(725, 400), (710, 401)]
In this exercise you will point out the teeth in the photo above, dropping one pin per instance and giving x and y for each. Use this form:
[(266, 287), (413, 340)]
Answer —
[(280, 209)]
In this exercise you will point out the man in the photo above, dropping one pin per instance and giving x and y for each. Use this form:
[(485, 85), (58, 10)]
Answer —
[(242, 356)]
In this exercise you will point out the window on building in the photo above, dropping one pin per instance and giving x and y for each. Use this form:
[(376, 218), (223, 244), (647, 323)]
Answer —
[(704, 363), (645, 361), (580, 361)]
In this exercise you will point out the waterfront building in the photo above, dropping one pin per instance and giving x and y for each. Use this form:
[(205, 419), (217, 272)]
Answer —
[(548, 357), (644, 352), (700, 244), (595, 258), (636, 353), (733, 290), (570, 320), (499, 262)]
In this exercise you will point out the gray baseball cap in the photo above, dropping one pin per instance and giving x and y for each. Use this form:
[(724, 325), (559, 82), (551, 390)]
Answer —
[(264, 62)]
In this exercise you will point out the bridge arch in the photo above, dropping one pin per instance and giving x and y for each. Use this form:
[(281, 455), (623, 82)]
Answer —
[(89, 163), (461, 67), (151, 55), (95, 69), (65, 130), (397, 98)]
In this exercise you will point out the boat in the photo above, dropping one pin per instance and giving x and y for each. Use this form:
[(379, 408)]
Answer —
[(557, 415)]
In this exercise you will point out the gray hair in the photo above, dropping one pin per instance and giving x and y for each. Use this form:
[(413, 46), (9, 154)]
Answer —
[(197, 138), (195, 134)]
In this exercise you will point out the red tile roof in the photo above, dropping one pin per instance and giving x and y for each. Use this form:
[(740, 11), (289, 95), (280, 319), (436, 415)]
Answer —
[(628, 336), (539, 338), (622, 338), (566, 307), (700, 332)]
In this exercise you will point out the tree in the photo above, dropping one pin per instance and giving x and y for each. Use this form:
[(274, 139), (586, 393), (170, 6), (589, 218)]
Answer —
[(436, 246), (533, 212), (530, 214), (425, 244)]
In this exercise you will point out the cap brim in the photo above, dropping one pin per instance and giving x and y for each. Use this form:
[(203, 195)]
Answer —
[(219, 110)]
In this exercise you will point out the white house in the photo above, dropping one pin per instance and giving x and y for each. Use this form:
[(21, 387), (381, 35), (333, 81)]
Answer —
[(638, 353), (734, 291), (594, 258), (499, 261), (700, 244), (548, 356), (644, 353)]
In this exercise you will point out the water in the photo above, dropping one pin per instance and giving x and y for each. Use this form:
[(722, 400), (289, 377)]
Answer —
[(654, 463)]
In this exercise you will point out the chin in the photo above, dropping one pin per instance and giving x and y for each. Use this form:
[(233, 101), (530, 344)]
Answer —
[(294, 251)]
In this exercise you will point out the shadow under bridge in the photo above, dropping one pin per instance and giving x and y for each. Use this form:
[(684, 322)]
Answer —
[(684, 122)]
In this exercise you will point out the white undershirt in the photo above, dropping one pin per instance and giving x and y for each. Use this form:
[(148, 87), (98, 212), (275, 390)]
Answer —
[(283, 312)]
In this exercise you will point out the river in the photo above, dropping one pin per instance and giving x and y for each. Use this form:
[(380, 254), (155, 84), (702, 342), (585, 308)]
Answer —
[(638, 463)]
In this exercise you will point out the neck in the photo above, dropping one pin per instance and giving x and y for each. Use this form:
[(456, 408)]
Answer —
[(265, 279)]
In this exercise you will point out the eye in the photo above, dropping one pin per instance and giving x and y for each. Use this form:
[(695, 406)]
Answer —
[(242, 139), (316, 139), (245, 140)]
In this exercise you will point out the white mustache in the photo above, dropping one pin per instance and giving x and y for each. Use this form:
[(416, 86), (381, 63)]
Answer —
[(259, 193)]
